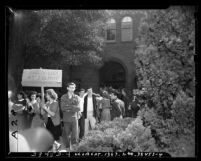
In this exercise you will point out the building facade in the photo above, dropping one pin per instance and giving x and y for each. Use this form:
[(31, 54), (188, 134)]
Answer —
[(118, 69)]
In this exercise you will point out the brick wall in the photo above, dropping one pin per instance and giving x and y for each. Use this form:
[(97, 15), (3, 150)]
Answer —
[(121, 52)]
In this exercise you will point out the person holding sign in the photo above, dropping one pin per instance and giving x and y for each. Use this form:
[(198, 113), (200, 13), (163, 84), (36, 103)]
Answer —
[(19, 108), (70, 105), (52, 110)]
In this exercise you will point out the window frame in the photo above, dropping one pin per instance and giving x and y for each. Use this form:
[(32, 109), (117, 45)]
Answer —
[(109, 28), (123, 29)]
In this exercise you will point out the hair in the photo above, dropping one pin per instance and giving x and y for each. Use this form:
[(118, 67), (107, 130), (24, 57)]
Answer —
[(114, 92), (89, 87), (82, 89), (71, 84), (106, 94), (39, 95), (33, 93), (52, 94), (22, 93)]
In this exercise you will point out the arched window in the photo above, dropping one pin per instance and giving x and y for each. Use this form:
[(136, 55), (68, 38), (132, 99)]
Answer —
[(111, 30), (126, 29)]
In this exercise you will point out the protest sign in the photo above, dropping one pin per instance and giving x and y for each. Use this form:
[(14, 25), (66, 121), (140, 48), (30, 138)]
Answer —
[(42, 78)]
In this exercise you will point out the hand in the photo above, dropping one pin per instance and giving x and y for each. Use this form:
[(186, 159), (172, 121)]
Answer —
[(29, 104), (44, 107), (80, 114)]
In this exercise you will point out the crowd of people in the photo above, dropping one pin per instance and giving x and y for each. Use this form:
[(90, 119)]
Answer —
[(75, 113)]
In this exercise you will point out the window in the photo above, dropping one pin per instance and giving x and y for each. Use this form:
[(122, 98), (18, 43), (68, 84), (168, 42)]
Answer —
[(111, 30), (126, 29)]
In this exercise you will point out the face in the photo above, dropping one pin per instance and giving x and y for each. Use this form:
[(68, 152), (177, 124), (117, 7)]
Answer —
[(71, 88), (19, 96), (112, 96), (90, 91), (38, 99), (33, 97), (81, 93), (47, 96)]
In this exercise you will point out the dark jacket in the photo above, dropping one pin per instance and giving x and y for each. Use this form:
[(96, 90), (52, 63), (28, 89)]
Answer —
[(135, 107), (96, 112), (116, 109)]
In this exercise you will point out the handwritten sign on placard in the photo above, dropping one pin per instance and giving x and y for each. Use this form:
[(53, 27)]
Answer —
[(42, 77)]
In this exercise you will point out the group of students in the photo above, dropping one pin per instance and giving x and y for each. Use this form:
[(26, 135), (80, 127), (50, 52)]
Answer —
[(33, 111), (73, 115)]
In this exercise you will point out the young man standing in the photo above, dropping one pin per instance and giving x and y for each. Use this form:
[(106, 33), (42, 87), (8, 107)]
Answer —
[(91, 112), (70, 105), (118, 107), (81, 121)]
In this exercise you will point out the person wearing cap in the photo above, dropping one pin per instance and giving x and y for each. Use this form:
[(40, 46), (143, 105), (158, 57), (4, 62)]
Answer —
[(70, 106)]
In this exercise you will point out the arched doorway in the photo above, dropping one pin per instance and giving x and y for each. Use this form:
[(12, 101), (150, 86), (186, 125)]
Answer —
[(112, 74)]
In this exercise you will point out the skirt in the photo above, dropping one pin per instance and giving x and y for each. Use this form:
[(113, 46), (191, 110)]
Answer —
[(105, 115), (54, 130)]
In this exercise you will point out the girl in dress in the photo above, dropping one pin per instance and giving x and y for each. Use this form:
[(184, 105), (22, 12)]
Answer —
[(31, 107), (38, 112), (105, 104), (51, 109)]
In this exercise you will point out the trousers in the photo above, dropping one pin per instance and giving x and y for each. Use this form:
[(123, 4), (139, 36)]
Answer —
[(90, 122), (71, 132)]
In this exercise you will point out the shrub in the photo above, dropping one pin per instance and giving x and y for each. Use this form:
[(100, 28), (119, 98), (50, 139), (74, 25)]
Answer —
[(136, 137), (176, 134), (118, 138), (117, 122)]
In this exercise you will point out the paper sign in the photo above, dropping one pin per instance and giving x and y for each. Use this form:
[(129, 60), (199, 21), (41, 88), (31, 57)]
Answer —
[(42, 77)]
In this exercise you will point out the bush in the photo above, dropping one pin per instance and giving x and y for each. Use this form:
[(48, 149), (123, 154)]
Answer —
[(117, 122), (136, 137), (116, 136), (175, 135)]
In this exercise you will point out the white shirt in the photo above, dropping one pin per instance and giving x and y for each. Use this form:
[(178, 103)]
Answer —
[(90, 104), (48, 107), (81, 104)]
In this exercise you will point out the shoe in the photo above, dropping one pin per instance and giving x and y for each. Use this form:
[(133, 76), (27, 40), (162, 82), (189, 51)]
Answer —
[(58, 145)]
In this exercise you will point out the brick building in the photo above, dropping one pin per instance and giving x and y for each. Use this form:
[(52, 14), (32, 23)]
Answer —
[(118, 69)]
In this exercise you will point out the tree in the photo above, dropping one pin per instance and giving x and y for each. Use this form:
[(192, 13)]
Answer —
[(165, 67), (67, 36), (53, 38), (165, 59)]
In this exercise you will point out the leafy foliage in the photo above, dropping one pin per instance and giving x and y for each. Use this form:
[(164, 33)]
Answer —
[(119, 137), (165, 67), (68, 36)]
